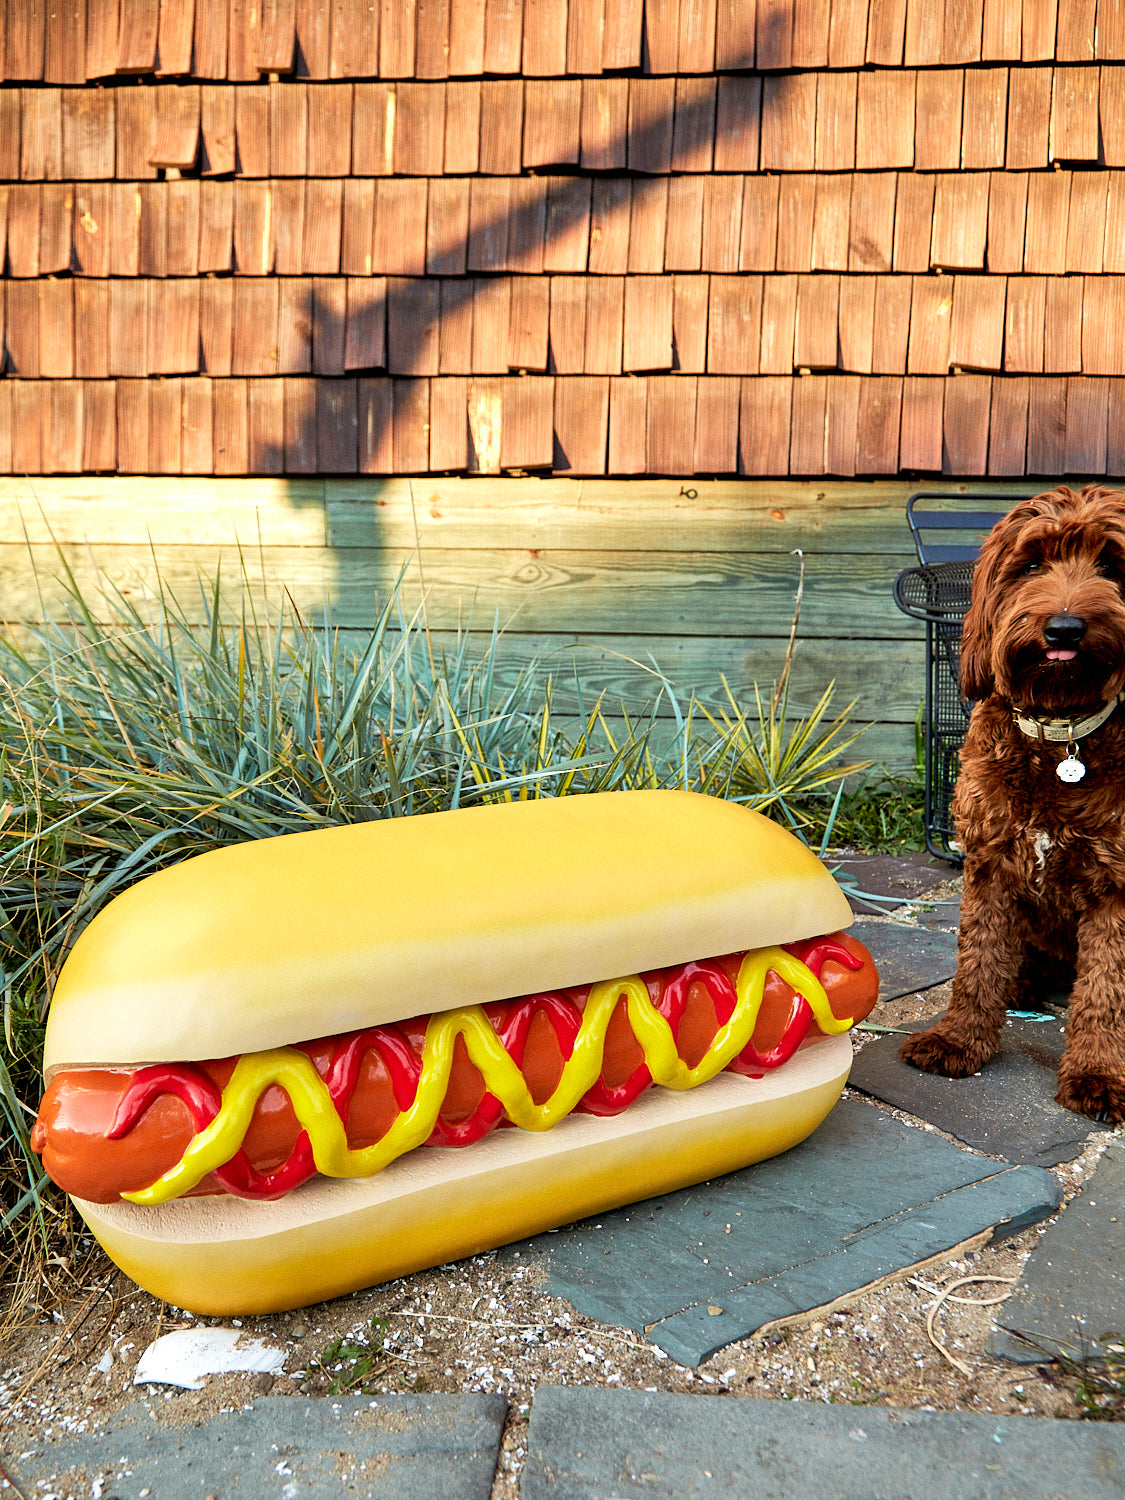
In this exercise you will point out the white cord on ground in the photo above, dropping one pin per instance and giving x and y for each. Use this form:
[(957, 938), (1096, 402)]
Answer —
[(946, 1295)]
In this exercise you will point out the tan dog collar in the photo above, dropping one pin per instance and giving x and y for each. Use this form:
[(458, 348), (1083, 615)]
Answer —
[(1063, 731)]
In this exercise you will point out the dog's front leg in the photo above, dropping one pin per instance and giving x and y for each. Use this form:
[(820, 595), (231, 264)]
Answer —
[(990, 950), (1092, 1070)]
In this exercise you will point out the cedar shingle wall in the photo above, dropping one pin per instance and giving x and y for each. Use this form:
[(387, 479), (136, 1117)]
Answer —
[(593, 236)]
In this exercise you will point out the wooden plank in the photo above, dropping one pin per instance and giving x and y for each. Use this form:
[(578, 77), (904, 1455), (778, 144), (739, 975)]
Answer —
[(365, 339), (449, 424), (878, 425), (399, 247), (648, 323), (831, 222), (99, 426), (795, 206), (1001, 32), (413, 322), (722, 223), (323, 226), (809, 425), (937, 133), (857, 319), (254, 326), (609, 226), (789, 122), (689, 323), (604, 123), (552, 111), (337, 426), (693, 133), (128, 328), (836, 122), (294, 325), (1087, 416), (527, 224), (651, 118), (779, 311), (56, 219), (215, 309), (1029, 118), (871, 222), (289, 127), (985, 116), (455, 345), (567, 349), (503, 35), (765, 410), (759, 224), (411, 426), (165, 399), (331, 107), (847, 34), (358, 231), (965, 436), (716, 425), (841, 424), (581, 425), (930, 309), (56, 329), (914, 212), (529, 323), (277, 37), (217, 127), (1007, 426), (1038, 29), (671, 425), (1111, 115), (1025, 320), (501, 127), (960, 221), (373, 130), (132, 426), (41, 134), (621, 47), (91, 329), (492, 315), (920, 445), (329, 324), (101, 40), (1101, 323), (397, 22), (1007, 214), (647, 224), (605, 300), (1085, 234), (1046, 426), (544, 38), (419, 135), (567, 242), (816, 324), (216, 226), (1074, 115), (738, 123), (87, 133), (683, 238), (1048, 210), (447, 227), (489, 207), (890, 330), (466, 38), (976, 330), (886, 32), (300, 425)]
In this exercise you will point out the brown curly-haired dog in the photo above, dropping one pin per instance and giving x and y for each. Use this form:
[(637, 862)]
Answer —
[(1044, 642)]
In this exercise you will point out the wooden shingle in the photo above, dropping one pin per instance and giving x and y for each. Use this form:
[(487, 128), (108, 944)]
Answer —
[(397, 24), (501, 127), (41, 135), (722, 223), (605, 301), (419, 135), (242, 40), (173, 327), (567, 353), (789, 122), (1085, 234), (1046, 426), (760, 198), (659, 42), (128, 328), (527, 432), (26, 425), (968, 400), (1074, 115), (289, 128), (455, 341), (358, 230), (56, 219), (447, 227), (765, 409), (265, 423), (960, 220), (1001, 32), (88, 130), (527, 224), (529, 321), (133, 428), (10, 134), (329, 324), (294, 324), (253, 235), (373, 130), (1007, 427), (886, 29), (1007, 217), (984, 126), (857, 320), (449, 425), (277, 36), (1038, 30), (152, 254), (399, 247), (795, 204), (328, 148), (124, 228), (337, 426), (831, 221), (1109, 42), (1103, 325), (693, 132), (56, 329), (689, 323), (585, 37), (567, 242), (551, 115), (1062, 326), (923, 401), (544, 38), (413, 325), (976, 330), (716, 424), (872, 220), (695, 52), (1114, 254), (609, 226), (1048, 211), (492, 316), (353, 39), (773, 39), (683, 239), (1111, 115), (581, 423), (99, 426), (466, 37), (836, 126), (738, 121), (1115, 446), (1024, 323), (26, 40), (251, 131), (215, 298), (431, 40), (806, 443), (503, 35), (816, 324), (671, 424), (101, 40), (1029, 118), (914, 219), (961, 35), (1087, 415), (137, 29), (924, 27), (931, 307), (254, 326), (604, 124), (183, 227), (23, 229), (165, 416), (878, 425), (300, 425), (324, 201), (489, 206), (651, 117), (841, 424), (209, 42), (890, 334), (937, 131), (91, 329), (217, 127), (216, 226), (177, 126), (648, 323), (621, 45), (375, 423), (847, 34), (779, 310)]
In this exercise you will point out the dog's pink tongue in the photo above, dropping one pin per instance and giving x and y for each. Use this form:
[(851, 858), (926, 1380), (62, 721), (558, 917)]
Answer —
[(1061, 655)]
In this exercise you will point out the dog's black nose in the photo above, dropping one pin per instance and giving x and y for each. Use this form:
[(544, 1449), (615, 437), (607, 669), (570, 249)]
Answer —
[(1064, 630)]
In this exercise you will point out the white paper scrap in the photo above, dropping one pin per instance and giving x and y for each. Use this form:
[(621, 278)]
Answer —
[(182, 1358)]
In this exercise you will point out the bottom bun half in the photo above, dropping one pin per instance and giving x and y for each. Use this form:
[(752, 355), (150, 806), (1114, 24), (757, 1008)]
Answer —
[(223, 1256)]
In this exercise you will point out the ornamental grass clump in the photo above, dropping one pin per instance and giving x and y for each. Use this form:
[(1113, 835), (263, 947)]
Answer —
[(143, 733)]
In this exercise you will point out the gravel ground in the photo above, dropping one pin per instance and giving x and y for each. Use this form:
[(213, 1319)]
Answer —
[(75, 1329)]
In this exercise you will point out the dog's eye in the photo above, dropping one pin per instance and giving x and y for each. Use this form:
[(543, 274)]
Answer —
[(1031, 567), (1107, 567)]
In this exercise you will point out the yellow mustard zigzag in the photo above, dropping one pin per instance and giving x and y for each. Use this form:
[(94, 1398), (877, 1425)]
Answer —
[(293, 1071)]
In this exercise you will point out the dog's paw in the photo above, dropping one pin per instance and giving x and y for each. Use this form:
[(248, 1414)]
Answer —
[(935, 1052), (1098, 1095)]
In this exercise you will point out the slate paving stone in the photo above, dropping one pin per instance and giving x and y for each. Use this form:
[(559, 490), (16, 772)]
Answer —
[(908, 958), (1070, 1298), (284, 1447), (590, 1444), (903, 877), (863, 1197), (1006, 1110)]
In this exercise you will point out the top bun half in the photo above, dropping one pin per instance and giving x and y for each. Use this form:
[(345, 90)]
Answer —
[(291, 938)]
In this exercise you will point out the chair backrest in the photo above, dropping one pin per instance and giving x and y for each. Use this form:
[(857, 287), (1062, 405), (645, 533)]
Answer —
[(953, 533)]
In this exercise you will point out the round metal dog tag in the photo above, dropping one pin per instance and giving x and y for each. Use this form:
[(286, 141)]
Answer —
[(1070, 770)]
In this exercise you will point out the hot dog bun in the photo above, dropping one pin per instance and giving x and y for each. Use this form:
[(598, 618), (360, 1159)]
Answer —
[(260, 944), (226, 1256)]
